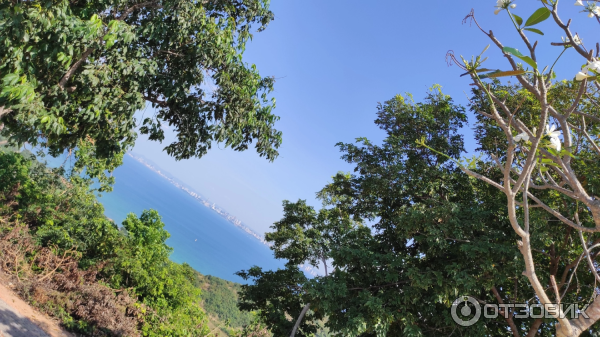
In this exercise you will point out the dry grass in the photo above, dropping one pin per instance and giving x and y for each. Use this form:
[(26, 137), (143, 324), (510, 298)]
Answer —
[(53, 282)]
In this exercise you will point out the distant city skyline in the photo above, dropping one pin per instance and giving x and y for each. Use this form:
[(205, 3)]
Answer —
[(203, 200)]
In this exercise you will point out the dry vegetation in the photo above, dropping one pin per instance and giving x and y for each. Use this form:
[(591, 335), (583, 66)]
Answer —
[(54, 283)]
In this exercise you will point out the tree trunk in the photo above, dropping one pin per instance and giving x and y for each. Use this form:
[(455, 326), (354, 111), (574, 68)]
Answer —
[(3, 112), (581, 324), (325, 264), (300, 319)]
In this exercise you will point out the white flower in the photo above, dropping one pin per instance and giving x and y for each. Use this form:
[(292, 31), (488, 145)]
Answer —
[(594, 66), (581, 76), (522, 136), (576, 39), (551, 131), (513, 6), (502, 4), (579, 3), (555, 144), (553, 135), (591, 15)]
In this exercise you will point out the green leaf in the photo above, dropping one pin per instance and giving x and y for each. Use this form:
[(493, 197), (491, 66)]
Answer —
[(549, 162), (513, 51), (518, 54), (538, 16), (518, 19), (552, 151), (113, 26), (10, 79), (110, 40), (537, 31), (568, 153), (529, 61), (506, 73)]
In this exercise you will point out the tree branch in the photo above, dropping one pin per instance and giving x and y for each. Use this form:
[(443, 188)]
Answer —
[(304, 310), (509, 317)]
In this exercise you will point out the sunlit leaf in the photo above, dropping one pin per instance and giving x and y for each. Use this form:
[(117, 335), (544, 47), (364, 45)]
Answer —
[(518, 19), (538, 16), (518, 54), (506, 73), (537, 31)]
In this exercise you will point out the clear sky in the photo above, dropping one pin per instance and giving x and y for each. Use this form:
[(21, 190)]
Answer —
[(334, 60)]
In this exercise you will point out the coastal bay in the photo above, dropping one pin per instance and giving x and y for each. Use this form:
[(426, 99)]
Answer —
[(199, 236)]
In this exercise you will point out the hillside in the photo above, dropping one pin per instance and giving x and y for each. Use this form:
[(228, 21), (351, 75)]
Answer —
[(68, 260), (219, 301)]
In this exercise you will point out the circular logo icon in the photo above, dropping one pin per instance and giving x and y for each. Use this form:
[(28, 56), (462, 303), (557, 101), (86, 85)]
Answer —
[(468, 306)]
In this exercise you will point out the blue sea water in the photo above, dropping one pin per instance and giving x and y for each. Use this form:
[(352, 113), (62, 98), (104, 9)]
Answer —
[(199, 236)]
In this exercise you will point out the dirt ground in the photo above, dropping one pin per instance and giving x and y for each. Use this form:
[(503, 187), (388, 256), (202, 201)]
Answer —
[(19, 319)]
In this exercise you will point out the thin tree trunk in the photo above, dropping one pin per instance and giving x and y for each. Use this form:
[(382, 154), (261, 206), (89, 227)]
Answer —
[(300, 319), (3, 112), (325, 264)]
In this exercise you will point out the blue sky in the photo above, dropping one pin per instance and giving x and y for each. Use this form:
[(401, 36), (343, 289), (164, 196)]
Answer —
[(334, 61)]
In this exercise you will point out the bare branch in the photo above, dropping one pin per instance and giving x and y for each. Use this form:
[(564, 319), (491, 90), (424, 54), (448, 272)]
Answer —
[(561, 217), (596, 119), (509, 317)]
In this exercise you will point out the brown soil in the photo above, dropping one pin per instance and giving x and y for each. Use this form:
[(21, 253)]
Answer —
[(50, 326)]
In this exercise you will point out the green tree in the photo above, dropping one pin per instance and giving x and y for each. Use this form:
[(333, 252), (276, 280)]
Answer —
[(302, 236), (434, 234), (74, 73), (549, 147), (142, 260), (64, 215), (278, 297)]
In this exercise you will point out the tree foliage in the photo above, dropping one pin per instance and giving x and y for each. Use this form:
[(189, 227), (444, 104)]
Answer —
[(66, 217), (74, 73), (433, 234)]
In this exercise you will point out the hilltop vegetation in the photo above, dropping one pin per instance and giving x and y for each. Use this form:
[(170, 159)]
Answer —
[(69, 260), (220, 298)]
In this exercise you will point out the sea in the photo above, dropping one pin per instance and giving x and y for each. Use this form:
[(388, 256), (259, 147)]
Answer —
[(199, 236)]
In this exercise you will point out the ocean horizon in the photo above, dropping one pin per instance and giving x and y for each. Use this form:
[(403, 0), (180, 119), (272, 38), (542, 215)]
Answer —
[(199, 236)]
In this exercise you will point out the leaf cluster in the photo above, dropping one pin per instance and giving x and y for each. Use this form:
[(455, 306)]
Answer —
[(76, 72)]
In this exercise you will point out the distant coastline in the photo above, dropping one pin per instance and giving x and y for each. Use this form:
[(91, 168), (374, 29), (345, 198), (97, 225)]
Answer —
[(204, 201)]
